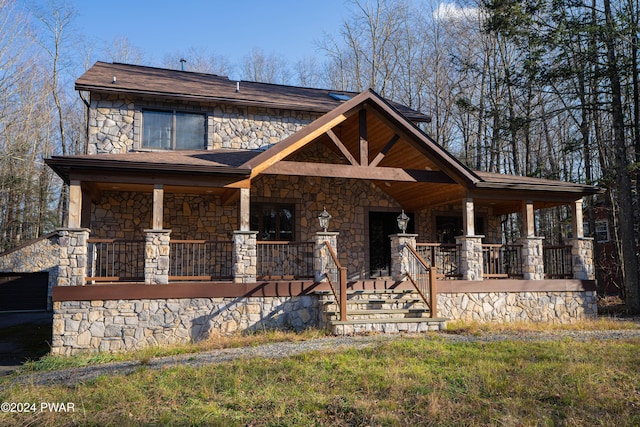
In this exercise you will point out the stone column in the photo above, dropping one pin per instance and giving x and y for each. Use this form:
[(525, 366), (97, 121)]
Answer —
[(470, 257), (321, 256), (245, 256), (399, 260), (582, 254), (156, 259), (532, 258), (72, 268)]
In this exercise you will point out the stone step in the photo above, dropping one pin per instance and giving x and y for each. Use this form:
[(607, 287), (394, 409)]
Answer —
[(405, 325), (362, 306), (379, 315)]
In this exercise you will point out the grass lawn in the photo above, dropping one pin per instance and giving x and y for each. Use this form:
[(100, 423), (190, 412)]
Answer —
[(425, 380)]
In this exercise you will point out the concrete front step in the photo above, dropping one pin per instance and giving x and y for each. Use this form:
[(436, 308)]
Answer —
[(405, 313), (387, 326), (381, 311)]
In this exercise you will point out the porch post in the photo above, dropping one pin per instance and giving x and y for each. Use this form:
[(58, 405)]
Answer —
[(470, 244), (582, 247), (399, 261), (245, 256), (245, 209), (532, 256), (75, 205), (156, 258), (157, 243), (72, 267), (321, 256)]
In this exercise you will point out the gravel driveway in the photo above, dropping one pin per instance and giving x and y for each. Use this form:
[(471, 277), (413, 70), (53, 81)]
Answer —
[(74, 376)]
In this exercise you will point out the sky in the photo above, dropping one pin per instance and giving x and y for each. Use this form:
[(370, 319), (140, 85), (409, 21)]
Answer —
[(233, 28)]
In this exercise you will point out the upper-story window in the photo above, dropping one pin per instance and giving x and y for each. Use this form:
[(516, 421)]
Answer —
[(173, 130)]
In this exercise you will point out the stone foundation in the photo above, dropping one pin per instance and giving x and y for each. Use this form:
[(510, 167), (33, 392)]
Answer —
[(125, 325), (552, 307)]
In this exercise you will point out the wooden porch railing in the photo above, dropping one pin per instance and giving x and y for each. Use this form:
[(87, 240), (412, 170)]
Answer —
[(444, 257), (558, 261), (284, 259), (114, 260), (423, 278), (200, 259), (336, 275), (501, 261)]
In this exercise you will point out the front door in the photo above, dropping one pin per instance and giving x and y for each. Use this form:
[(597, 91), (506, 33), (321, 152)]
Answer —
[(381, 226)]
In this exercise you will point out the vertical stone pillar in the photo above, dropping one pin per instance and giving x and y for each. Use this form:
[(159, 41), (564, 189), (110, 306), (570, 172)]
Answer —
[(156, 259), (399, 260), (321, 256), (72, 267), (532, 258), (582, 254), (470, 257), (245, 256)]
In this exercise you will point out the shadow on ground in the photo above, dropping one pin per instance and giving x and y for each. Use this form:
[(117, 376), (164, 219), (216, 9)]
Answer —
[(23, 336)]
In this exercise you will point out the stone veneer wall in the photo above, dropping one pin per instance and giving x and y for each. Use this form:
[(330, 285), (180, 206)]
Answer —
[(123, 325), (548, 306), (126, 215), (347, 200), (115, 123), (253, 128), (41, 255)]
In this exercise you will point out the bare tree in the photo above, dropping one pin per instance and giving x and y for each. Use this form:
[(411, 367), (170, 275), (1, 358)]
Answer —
[(263, 67), (121, 50), (199, 60)]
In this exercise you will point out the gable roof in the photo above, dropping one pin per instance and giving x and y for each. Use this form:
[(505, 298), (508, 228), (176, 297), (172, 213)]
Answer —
[(186, 85), (371, 101)]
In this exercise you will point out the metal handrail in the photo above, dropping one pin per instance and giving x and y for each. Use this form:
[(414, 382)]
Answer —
[(195, 259), (115, 259), (284, 259), (423, 278), (445, 257), (558, 261), (501, 261)]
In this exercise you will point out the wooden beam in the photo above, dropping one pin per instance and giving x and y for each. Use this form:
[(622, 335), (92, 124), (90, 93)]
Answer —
[(577, 225), (293, 147), (364, 143), (528, 219), (245, 209), (158, 207), (346, 153), (75, 205), (468, 217), (230, 196), (330, 170), (385, 150)]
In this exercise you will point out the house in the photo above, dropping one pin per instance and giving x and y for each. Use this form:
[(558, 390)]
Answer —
[(197, 207)]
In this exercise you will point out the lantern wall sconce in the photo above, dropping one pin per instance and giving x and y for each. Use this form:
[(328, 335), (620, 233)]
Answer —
[(324, 218), (403, 221)]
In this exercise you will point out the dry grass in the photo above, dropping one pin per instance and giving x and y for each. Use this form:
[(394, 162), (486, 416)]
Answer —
[(408, 381)]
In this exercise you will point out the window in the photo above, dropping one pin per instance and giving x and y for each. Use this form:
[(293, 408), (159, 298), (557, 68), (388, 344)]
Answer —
[(173, 130), (273, 221), (601, 234), (602, 231)]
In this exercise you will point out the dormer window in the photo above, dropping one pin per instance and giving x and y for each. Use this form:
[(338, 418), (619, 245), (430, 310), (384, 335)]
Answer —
[(173, 130)]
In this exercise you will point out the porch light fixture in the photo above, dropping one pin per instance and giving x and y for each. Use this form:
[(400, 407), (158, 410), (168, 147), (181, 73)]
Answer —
[(403, 221), (324, 218)]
